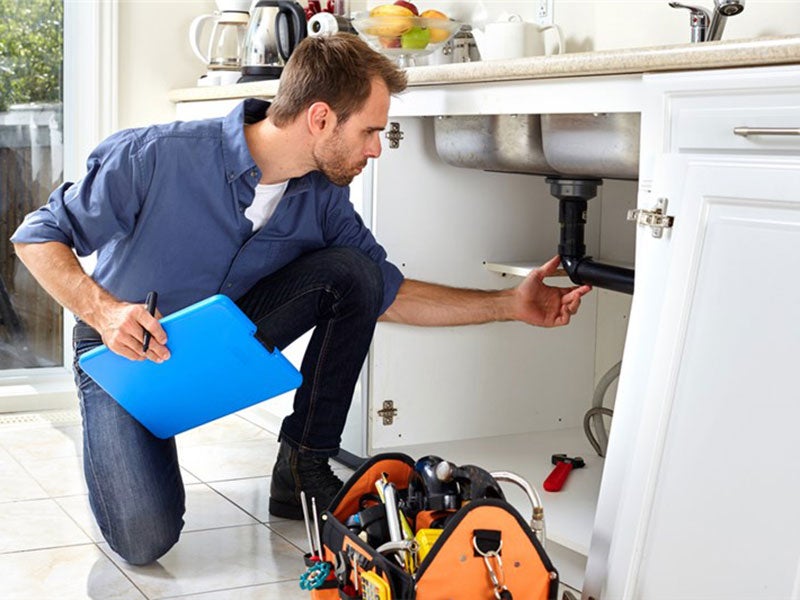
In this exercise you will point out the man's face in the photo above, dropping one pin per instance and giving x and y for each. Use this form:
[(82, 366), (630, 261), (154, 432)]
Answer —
[(344, 154)]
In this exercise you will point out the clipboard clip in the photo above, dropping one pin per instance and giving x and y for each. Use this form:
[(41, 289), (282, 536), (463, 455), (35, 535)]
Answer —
[(267, 343)]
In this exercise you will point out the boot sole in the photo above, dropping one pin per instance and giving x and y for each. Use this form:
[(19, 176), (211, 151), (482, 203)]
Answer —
[(285, 510)]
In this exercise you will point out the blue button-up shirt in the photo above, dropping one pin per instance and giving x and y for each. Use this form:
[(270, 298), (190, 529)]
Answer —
[(163, 207)]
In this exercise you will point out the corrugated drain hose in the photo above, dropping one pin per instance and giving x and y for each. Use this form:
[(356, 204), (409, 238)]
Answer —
[(596, 413)]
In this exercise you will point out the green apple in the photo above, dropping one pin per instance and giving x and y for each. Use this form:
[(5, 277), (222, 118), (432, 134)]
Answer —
[(416, 38)]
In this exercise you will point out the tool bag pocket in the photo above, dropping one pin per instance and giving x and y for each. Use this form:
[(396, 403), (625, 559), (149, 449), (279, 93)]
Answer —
[(485, 550)]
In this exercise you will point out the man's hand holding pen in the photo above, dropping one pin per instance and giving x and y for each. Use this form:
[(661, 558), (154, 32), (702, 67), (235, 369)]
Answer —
[(123, 330)]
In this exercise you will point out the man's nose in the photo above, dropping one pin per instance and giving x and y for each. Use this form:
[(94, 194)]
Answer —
[(373, 149)]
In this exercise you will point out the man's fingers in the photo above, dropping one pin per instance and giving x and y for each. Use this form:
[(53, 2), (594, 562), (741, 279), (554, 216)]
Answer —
[(127, 345), (549, 268), (577, 292), (151, 324)]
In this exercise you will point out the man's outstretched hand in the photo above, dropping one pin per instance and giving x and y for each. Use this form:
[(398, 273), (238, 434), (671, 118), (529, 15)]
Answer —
[(544, 305)]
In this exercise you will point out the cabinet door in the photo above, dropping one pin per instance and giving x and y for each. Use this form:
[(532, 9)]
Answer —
[(709, 506)]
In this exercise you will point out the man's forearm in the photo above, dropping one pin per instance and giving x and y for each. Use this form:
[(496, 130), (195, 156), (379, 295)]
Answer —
[(58, 271), (427, 304)]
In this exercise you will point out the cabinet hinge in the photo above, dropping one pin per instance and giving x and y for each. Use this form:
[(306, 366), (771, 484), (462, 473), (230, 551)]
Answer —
[(388, 412), (656, 218), (394, 135)]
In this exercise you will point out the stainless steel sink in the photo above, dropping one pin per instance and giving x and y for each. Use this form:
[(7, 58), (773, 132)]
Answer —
[(492, 143), (604, 145), (589, 145)]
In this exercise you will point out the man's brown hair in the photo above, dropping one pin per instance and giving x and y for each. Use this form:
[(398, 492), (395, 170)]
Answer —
[(335, 69)]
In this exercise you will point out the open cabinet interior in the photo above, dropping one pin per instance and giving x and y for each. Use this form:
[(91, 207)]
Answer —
[(504, 396)]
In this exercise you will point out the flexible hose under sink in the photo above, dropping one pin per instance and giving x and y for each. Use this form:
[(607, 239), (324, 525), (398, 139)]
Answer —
[(596, 413)]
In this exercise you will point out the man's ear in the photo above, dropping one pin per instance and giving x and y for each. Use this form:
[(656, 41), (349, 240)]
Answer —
[(320, 118)]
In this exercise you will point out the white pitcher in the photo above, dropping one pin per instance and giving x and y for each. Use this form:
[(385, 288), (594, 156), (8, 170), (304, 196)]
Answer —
[(513, 38)]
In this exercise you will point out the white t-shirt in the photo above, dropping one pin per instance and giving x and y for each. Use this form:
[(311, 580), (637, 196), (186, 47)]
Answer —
[(265, 202)]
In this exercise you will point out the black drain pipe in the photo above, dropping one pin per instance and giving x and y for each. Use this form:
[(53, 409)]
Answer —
[(573, 195)]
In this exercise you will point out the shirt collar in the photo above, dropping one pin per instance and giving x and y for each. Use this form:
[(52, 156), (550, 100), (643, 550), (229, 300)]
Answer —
[(236, 155)]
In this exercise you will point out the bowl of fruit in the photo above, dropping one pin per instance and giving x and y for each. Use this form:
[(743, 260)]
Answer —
[(400, 31)]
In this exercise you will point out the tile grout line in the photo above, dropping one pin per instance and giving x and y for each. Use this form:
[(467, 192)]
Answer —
[(120, 569), (233, 589), (35, 421)]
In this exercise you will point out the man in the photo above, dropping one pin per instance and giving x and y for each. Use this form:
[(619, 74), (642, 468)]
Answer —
[(258, 209)]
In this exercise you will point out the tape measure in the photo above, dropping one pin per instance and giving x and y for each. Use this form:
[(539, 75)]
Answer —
[(373, 587)]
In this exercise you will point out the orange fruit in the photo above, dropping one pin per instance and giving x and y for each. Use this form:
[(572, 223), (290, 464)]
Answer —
[(437, 35)]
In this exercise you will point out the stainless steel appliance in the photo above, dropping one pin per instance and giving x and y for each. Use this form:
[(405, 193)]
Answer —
[(275, 29)]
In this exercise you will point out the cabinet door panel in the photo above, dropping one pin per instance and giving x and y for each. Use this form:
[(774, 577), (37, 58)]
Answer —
[(708, 500)]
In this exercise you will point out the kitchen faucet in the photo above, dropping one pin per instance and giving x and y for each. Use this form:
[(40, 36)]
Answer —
[(704, 26)]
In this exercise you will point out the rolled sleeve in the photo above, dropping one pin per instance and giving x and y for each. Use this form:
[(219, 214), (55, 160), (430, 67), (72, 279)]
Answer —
[(392, 279), (101, 206)]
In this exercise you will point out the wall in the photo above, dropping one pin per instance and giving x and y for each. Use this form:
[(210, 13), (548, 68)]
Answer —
[(155, 57)]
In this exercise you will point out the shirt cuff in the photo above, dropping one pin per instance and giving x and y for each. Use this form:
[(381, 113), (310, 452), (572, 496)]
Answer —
[(392, 278)]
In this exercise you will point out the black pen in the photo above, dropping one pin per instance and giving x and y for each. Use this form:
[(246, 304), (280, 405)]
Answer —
[(152, 298)]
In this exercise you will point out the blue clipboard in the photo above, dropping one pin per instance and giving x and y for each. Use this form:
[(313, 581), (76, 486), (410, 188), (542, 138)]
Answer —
[(217, 366)]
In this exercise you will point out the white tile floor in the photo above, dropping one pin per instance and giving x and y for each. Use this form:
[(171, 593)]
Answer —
[(50, 546)]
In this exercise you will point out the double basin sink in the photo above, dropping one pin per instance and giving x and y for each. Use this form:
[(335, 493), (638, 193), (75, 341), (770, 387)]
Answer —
[(596, 145)]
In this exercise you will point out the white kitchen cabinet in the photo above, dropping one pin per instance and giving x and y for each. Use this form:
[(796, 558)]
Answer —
[(704, 395), (695, 502)]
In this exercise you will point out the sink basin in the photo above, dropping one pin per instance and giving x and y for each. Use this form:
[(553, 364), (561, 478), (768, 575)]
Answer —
[(510, 143), (602, 145)]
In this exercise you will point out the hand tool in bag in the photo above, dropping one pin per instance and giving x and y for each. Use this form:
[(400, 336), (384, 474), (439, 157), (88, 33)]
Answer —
[(476, 483), (307, 522), (431, 486), (388, 493), (316, 526), (315, 575), (373, 587), (318, 570), (342, 573), (563, 466)]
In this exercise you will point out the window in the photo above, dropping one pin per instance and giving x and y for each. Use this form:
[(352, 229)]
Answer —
[(66, 52), (31, 165)]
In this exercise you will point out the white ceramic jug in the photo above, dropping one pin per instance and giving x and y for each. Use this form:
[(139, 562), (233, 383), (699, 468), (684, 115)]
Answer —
[(512, 37)]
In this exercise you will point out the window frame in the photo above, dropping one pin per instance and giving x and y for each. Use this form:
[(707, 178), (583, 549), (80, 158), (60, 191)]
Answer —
[(90, 113)]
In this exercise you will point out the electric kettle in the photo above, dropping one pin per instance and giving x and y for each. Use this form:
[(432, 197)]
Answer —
[(275, 29)]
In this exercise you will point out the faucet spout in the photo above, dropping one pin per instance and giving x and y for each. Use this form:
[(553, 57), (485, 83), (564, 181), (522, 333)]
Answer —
[(704, 26), (722, 10)]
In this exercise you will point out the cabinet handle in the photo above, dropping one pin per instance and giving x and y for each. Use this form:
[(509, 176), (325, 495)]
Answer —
[(745, 131)]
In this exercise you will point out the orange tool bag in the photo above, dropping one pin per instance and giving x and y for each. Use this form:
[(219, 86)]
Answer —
[(459, 539)]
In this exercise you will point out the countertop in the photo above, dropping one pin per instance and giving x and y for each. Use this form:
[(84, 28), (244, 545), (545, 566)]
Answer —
[(681, 57)]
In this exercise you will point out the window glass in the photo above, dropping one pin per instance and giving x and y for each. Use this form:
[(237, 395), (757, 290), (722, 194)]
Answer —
[(31, 165)]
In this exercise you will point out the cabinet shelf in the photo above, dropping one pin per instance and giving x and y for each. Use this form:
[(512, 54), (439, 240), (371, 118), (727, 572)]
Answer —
[(569, 514), (518, 268), (523, 268)]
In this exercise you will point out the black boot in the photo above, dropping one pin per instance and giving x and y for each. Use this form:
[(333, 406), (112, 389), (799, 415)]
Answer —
[(295, 471)]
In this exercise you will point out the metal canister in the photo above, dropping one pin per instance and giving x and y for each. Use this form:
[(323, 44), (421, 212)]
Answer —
[(464, 47)]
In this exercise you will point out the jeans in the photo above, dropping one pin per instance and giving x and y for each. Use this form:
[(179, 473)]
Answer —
[(134, 481)]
